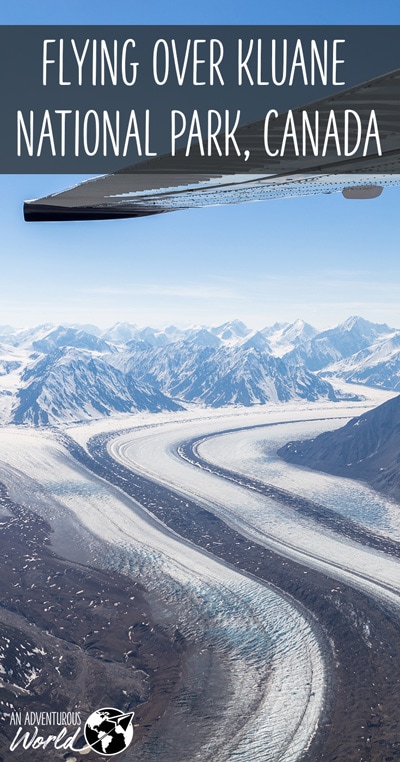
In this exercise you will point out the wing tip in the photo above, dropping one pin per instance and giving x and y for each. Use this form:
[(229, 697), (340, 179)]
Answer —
[(36, 212)]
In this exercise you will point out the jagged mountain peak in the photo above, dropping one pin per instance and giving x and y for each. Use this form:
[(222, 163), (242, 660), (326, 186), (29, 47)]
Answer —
[(284, 337), (202, 337), (24, 337), (256, 340), (66, 336), (299, 330), (357, 323), (338, 343), (233, 329)]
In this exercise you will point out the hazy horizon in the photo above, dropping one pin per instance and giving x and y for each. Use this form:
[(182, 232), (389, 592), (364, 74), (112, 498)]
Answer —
[(179, 325)]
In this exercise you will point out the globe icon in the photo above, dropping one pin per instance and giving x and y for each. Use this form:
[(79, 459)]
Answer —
[(109, 731)]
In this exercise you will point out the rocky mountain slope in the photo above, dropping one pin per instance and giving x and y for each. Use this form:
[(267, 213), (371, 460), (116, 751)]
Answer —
[(367, 448), (74, 385)]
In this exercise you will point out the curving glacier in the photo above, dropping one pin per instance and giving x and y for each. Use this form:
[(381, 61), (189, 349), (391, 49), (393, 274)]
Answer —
[(256, 651)]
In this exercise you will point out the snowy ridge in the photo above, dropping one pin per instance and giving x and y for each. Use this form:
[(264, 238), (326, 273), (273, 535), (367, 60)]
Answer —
[(337, 343), (241, 375), (71, 385), (378, 365), (287, 336)]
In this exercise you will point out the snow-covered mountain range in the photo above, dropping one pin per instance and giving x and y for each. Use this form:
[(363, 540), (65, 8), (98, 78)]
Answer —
[(51, 374)]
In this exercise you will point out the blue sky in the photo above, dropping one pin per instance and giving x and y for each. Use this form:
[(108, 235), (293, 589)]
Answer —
[(319, 258)]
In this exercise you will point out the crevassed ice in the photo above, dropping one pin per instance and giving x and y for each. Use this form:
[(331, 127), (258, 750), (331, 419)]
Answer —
[(270, 651)]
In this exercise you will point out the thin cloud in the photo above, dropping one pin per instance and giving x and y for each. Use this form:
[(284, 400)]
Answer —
[(183, 292)]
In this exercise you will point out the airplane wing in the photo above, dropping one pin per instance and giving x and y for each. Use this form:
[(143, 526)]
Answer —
[(169, 183)]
